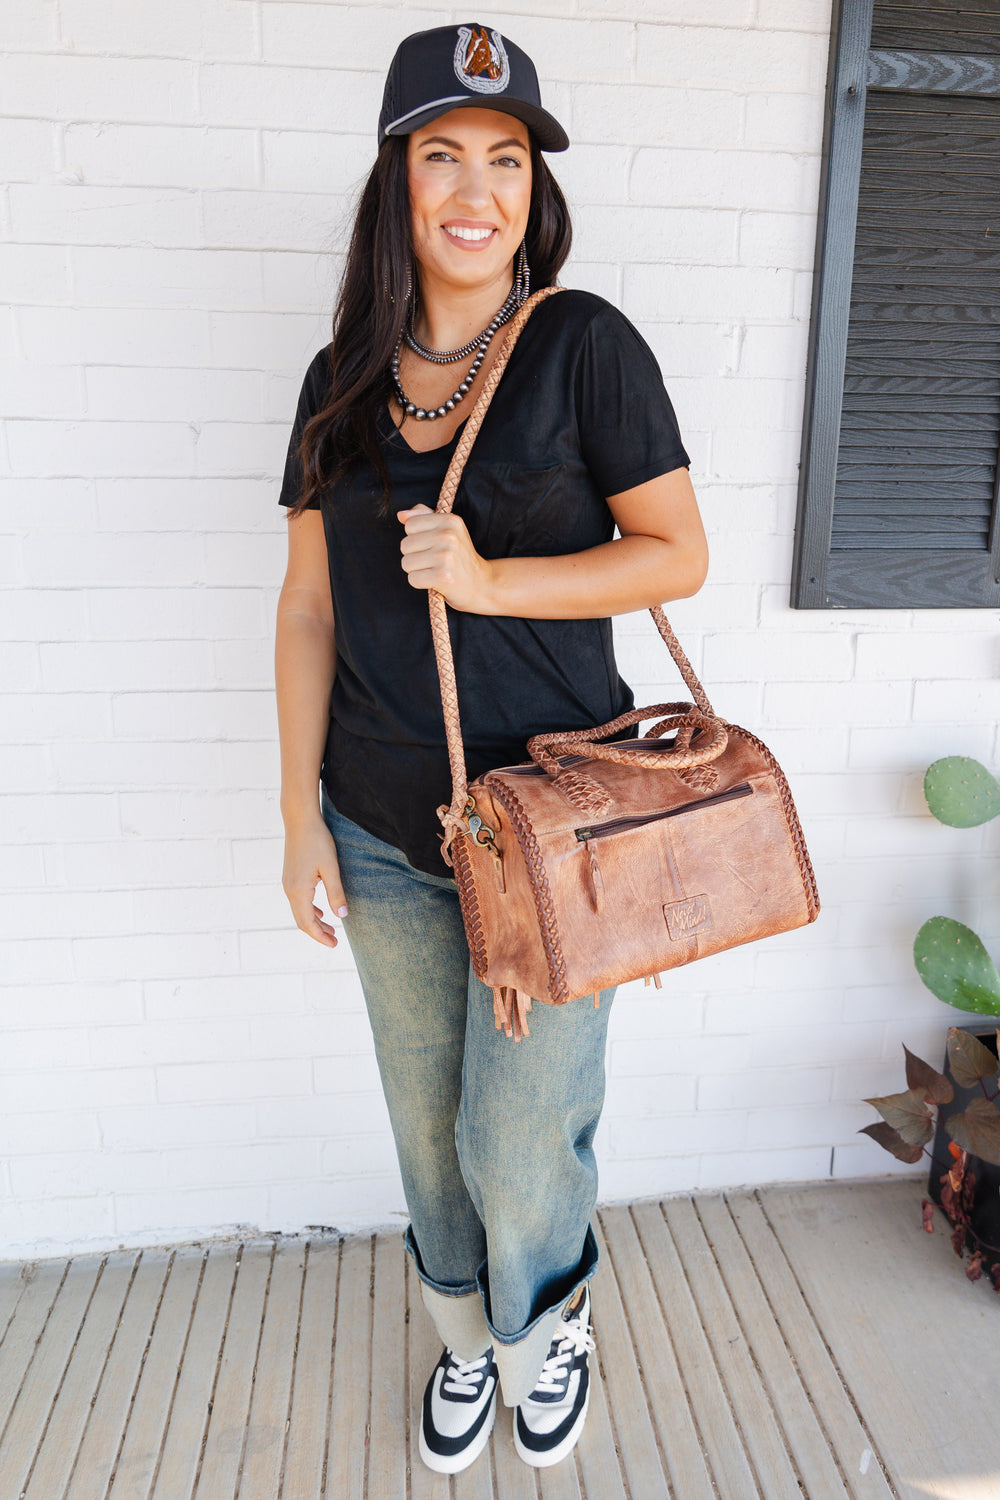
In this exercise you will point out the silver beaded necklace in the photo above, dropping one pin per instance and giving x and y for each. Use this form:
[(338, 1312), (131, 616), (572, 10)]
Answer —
[(516, 296), (449, 356)]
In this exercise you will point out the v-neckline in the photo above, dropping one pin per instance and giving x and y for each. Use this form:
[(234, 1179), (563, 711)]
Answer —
[(422, 452)]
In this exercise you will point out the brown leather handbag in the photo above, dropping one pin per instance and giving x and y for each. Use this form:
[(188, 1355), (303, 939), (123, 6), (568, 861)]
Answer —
[(601, 859)]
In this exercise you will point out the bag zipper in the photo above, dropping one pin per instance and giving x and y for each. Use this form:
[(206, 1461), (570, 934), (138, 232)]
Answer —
[(577, 760), (533, 770), (622, 825)]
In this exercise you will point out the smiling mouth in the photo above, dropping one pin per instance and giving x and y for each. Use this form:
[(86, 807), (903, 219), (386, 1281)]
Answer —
[(470, 236)]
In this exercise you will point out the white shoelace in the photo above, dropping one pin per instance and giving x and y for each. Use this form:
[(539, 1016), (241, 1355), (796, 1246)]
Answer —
[(462, 1376), (574, 1338)]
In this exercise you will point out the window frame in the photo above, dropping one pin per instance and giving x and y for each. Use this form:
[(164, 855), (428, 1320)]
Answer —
[(875, 578)]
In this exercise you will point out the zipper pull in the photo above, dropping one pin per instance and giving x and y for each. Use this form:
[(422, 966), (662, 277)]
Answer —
[(596, 878), (498, 874)]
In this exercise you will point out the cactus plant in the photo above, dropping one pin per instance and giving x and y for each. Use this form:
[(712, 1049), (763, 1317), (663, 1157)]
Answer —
[(961, 792), (952, 962), (954, 965), (950, 958)]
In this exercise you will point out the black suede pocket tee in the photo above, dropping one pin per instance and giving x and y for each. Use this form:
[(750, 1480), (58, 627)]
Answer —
[(580, 413)]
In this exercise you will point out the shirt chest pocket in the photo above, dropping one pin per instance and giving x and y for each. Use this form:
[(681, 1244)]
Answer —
[(512, 510)]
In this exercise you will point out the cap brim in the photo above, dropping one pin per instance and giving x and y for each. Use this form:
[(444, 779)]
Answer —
[(544, 127)]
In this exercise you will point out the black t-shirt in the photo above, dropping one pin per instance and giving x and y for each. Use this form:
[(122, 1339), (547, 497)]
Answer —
[(580, 413)]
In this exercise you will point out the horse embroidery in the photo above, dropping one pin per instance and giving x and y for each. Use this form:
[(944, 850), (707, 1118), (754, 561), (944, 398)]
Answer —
[(481, 61), (479, 58)]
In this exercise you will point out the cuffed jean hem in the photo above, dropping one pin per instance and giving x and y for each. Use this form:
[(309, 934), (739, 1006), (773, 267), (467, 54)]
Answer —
[(459, 1315), (456, 1311)]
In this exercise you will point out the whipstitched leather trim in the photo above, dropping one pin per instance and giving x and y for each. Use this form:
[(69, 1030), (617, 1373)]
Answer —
[(468, 899), (540, 890), (791, 818)]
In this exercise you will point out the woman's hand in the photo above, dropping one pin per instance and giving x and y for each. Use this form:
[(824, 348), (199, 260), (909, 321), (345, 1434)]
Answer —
[(660, 554), (438, 554), (311, 857)]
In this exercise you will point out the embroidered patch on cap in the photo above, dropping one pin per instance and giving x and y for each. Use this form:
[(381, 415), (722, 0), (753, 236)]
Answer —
[(481, 62)]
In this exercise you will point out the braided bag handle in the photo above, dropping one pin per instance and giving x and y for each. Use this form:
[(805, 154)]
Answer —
[(546, 748)]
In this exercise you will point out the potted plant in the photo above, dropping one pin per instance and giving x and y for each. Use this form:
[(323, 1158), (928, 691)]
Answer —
[(953, 963)]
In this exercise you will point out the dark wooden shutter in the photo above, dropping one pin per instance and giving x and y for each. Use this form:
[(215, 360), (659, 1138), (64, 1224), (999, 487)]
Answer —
[(898, 485)]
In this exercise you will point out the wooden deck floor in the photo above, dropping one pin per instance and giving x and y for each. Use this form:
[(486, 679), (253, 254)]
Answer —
[(780, 1343)]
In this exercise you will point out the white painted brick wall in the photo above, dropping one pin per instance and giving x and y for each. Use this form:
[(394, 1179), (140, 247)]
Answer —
[(177, 1057)]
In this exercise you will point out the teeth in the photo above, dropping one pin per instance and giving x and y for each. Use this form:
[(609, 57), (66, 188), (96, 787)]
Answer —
[(468, 234)]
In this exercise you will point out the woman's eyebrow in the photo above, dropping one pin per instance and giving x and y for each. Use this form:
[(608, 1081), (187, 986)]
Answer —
[(443, 140)]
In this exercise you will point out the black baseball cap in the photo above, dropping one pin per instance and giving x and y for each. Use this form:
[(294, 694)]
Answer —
[(458, 67)]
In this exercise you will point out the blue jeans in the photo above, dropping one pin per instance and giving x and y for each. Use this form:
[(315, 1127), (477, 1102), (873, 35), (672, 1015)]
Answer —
[(494, 1137)]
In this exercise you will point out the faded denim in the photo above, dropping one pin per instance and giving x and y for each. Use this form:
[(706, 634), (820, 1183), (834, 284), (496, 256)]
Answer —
[(494, 1138)]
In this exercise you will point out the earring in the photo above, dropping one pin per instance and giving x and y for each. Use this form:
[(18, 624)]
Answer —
[(407, 294), (522, 280)]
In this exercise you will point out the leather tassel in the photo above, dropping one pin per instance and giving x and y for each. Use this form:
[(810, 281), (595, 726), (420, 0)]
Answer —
[(510, 1011), (498, 875), (654, 979), (596, 878), (501, 1011)]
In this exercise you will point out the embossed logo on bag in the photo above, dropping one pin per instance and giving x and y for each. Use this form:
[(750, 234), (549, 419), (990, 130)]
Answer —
[(481, 61), (685, 918)]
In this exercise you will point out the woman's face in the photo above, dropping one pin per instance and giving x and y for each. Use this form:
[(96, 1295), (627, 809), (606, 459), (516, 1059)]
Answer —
[(470, 189)]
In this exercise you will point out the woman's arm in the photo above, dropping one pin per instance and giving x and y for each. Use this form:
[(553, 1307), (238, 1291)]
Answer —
[(305, 664), (662, 554)]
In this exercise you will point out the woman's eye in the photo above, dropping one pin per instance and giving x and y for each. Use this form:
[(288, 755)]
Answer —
[(440, 156)]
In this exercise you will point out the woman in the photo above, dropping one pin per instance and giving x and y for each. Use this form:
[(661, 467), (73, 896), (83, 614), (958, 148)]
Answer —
[(494, 1140)]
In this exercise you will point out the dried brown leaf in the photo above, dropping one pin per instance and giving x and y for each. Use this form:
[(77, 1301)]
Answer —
[(977, 1130), (922, 1078), (908, 1113), (891, 1140), (970, 1060)]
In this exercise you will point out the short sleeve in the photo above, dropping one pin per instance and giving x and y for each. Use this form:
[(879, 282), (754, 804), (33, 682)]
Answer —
[(312, 397), (628, 428)]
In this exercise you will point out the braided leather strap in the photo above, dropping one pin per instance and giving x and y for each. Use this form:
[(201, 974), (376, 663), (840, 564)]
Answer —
[(579, 788), (545, 749), (691, 765), (453, 817), (685, 668)]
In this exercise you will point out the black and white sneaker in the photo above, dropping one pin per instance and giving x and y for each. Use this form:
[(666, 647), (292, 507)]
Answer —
[(459, 1409), (547, 1425)]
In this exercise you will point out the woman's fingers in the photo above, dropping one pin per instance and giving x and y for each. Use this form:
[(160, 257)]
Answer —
[(330, 876), (311, 858), (437, 553), (427, 531), (325, 926)]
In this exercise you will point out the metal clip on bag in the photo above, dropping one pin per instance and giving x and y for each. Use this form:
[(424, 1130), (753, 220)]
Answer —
[(605, 860)]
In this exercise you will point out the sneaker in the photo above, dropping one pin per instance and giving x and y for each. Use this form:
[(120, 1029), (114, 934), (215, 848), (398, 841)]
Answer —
[(548, 1423), (459, 1409)]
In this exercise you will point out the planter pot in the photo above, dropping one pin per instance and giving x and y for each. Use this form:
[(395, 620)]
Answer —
[(986, 1198)]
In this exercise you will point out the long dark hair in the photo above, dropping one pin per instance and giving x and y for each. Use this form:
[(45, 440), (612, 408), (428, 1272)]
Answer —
[(372, 305)]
